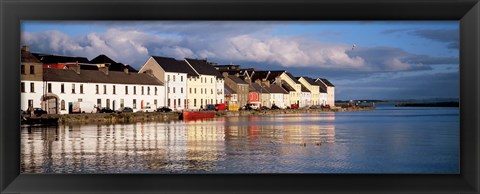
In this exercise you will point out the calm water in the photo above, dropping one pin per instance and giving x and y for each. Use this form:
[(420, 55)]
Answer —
[(387, 140)]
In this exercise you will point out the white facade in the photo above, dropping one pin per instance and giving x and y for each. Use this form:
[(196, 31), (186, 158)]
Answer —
[(31, 94), (176, 90), (323, 98), (277, 99), (113, 96), (220, 89), (306, 99)]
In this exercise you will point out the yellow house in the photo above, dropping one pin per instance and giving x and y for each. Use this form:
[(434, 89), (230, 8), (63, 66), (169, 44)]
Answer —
[(202, 89), (284, 79), (330, 88)]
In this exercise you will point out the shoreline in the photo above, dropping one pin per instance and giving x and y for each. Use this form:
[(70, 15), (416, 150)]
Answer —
[(113, 118)]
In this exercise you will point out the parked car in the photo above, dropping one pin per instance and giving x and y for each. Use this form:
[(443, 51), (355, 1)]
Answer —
[(39, 111), (294, 106), (164, 109), (315, 107), (220, 107), (210, 107), (105, 110), (125, 109), (326, 106), (274, 107), (265, 108)]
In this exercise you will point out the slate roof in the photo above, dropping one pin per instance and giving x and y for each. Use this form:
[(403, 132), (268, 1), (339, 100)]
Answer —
[(203, 67), (95, 76), (227, 90), (259, 88), (328, 83), (261, 75), (102, 59), (53, 59), (287, 87), (305, 89), (274, 88), (311, 81), (27, 57), (173, 65), (322, 90), (237, 80)]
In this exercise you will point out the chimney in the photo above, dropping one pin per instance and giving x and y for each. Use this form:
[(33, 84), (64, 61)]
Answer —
[(103, 68), (75, 67), (26, 48), (237, 75), (278, 81), (225, 74), (125, 69), (266, 82), (258, 81)]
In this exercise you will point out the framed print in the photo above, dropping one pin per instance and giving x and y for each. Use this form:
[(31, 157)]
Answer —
[(239, 96)]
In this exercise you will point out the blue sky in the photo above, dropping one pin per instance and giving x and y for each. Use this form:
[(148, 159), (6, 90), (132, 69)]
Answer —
[(390, 60)]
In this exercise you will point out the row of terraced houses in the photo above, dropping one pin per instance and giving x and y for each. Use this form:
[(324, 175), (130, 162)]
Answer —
[(54, 83)]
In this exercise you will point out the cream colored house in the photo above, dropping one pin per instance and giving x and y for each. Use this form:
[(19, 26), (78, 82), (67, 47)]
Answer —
[(284, 79), (329, 88), (206, 88), (314, 88), (174, 73)]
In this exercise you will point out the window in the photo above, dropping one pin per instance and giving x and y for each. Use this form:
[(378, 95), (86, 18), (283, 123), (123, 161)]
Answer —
[(156, 89), (190, 90), (195, 102), (104, 89), (30, 103), (142, 90), (122, 103), (114, 89), (96, 87), (32, 69), (126, 89), (168, 77), (181, 90), (168, 89), (81, 88), (212, 91), (134, 103), (134, 90), (22, 87), (173, 77), (108, 103), (80, 100), (73, 88), (49, 88), (211, 80), (201, 90), (201, 102), (62, 88), (195, 90), (174, 90), (179, 102), (62, 104), (181, 78), (99, 102), (155, 102), (148, 90), (22, 69), (168, 102)]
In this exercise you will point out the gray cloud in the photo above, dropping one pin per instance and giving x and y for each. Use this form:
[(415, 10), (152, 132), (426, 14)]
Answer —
[(451, 37)]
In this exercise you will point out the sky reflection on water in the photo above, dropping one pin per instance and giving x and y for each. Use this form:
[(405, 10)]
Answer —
[(387, 140)]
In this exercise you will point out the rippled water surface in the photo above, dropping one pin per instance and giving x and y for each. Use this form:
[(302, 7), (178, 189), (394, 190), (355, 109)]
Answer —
[(387, 140)]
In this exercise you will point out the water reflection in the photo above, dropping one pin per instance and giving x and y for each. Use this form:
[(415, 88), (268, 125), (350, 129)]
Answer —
[(328, 142)]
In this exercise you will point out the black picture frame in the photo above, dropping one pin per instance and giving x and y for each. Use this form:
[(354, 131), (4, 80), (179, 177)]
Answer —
[(12, 12)]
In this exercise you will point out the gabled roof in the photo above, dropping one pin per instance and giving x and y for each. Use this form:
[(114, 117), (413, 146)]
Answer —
[(27, 57), (173, 65), (237, 80), (275, 88), (95, 76), (259, 88), (292, 77), (228, 90), (287, 87), (102, 59), (311, 81), (260, 75), (54, 59), (203, 67), (305, 89), (322, 90), (328, 83)]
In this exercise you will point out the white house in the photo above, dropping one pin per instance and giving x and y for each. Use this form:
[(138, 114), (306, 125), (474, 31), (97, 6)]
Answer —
[(329, 88), (114, 89), (31, 76), (174, 73), (278, 96), (306, 99)]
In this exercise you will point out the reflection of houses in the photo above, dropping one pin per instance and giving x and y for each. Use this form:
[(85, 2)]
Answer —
[(31, 75), (329, 88), (174, 73)]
